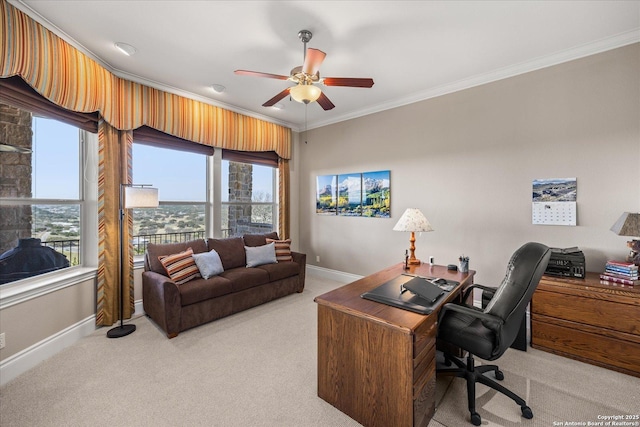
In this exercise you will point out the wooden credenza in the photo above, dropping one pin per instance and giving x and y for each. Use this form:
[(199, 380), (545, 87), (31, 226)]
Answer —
[(588, 321)]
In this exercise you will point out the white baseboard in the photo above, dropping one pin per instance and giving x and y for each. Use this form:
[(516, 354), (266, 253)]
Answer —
[(28, 358), (337, 276)]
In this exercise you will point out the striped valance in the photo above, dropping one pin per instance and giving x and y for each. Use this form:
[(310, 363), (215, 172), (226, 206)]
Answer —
[(74, 81)]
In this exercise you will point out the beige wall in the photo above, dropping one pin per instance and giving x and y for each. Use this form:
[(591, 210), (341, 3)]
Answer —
[(32, 321), (467, 160)]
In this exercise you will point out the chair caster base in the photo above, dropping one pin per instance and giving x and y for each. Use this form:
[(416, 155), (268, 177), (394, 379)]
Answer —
[(499, 375), (475, 419), (526, 412)]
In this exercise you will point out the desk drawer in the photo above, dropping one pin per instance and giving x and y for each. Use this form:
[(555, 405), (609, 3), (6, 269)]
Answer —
[(424, 336), (617, 351), (588, 311)]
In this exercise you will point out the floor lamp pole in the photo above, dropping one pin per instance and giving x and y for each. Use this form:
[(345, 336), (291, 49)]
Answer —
[(122, 330)]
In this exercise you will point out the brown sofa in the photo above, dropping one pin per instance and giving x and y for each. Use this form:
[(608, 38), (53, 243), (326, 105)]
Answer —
[(176, 308)]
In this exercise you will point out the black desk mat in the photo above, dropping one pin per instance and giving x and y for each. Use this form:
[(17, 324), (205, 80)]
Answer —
[(394, 294)]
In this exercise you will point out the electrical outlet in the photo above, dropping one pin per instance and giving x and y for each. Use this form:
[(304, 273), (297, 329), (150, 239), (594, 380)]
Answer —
[(2, 343), (317, 258)]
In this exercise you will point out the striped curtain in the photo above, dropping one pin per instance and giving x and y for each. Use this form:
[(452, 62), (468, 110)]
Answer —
[(114, 167), (283, 199)]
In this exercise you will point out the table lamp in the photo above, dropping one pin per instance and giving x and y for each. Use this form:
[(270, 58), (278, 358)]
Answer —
[(629, 225), (131, 196), (413, 220)]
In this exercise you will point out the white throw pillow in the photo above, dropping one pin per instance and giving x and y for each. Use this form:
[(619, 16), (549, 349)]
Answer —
[(260, 255), (209, 263)]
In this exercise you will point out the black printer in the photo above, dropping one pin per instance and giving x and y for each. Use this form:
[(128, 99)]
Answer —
[(567, 262)]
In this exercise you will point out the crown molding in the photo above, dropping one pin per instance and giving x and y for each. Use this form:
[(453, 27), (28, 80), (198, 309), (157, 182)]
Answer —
[(563, 56)]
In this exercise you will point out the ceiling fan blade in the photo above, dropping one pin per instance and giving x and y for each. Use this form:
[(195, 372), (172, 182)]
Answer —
[(312, 61), (278, 97), (347, 81), (324, 102), (259, 74)]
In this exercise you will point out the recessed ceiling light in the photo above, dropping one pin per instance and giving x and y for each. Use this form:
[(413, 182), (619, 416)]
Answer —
[(126, 48), (218, 88), (278, 106)]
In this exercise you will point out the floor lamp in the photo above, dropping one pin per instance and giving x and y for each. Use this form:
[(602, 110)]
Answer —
[(131, 196), (413, 220)]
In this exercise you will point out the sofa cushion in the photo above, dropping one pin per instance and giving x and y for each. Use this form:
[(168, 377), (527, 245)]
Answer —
[(203, 289), (259, 255), (281, 270), (253, 240), (180, 267), (244, 278), (155, 250), (208, 263), (283, 249), (231, 251)]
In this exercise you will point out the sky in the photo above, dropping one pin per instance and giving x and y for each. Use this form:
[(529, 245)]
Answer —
[(177, 175)]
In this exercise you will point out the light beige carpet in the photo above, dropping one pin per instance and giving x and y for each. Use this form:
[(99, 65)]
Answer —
[(258, 368)]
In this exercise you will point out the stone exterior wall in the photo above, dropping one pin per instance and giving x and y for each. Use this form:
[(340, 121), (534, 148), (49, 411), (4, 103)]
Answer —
[(15, 175), (240, 190)]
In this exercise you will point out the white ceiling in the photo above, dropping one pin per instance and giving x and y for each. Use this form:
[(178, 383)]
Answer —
[(413, 50)]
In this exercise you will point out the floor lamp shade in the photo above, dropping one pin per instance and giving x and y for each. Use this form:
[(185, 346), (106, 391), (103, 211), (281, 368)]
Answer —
[(131, 196), (140, 197), (413, 220)]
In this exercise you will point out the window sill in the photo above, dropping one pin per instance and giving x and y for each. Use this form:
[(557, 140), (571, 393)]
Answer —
[(33, 287)]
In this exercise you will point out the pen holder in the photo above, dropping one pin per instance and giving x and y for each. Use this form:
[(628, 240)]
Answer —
[(464, 266)]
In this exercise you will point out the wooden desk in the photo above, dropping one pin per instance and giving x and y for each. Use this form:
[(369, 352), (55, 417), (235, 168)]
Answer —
[(376, 363)]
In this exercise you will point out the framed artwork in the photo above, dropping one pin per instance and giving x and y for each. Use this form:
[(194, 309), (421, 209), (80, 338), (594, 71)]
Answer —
[(354, 194), (326, 194), (375, 194), (350, 194)]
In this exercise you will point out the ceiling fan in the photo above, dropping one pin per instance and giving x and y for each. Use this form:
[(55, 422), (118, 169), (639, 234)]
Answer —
[(307, 76)]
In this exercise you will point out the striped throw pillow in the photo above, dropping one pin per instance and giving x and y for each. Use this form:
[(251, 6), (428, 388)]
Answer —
[(180, 267), (283, 249)]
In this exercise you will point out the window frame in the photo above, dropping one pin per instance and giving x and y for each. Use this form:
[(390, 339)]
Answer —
[(274, 194), (32, 287)]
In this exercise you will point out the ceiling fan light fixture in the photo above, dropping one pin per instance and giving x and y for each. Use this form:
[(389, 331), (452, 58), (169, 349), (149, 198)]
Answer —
[(305, 93)]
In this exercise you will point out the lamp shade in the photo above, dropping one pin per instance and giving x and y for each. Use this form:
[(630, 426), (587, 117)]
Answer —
[(140, 197), (305, 93), (627, 225), (413, 220)]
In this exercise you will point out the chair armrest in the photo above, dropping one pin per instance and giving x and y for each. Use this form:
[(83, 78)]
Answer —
[(488, 320), (472, 287)]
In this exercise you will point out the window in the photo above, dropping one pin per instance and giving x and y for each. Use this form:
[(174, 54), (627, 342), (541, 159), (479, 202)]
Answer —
[(248, 202), (43, 177), (181, 180), (193, 187)]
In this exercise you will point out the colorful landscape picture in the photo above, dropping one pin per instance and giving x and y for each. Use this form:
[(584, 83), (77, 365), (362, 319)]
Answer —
[(326, 193), (354, 194), (350, 194), (375, 194)]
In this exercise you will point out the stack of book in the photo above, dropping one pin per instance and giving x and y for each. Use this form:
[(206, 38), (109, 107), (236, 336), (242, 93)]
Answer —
[(620, 273)]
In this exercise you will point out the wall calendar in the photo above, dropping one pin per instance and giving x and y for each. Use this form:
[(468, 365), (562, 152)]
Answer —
[(554, 201)]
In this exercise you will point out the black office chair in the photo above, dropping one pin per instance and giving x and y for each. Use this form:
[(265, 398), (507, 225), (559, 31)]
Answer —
[(488, 333)]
